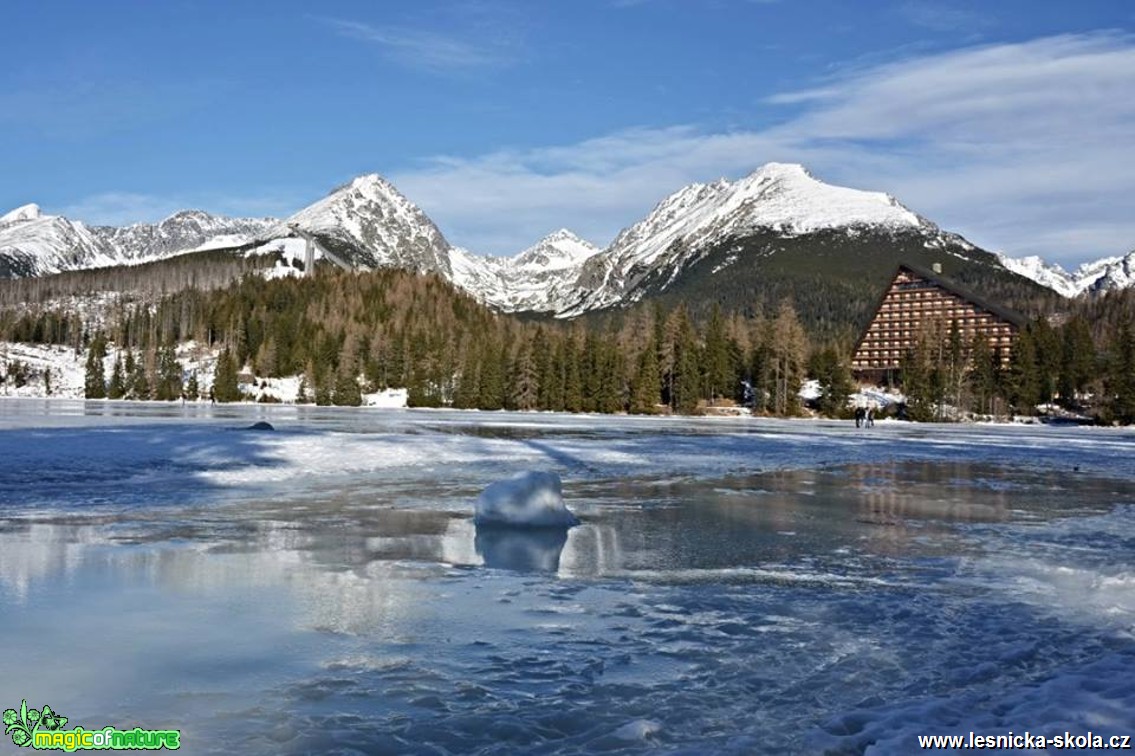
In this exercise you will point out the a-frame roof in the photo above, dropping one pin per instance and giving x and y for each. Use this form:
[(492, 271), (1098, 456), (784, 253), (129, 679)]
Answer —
[(1004, 313)]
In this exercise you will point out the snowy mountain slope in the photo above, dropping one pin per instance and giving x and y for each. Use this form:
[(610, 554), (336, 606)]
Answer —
[(372, 223), (1096, 277), (783, 198), (1107, 274), (185, 231), (539, 279), (23, 213), (34, 244)]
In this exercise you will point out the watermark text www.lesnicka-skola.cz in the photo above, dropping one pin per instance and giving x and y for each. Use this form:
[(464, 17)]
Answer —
[(1026, 742), (44, 729)]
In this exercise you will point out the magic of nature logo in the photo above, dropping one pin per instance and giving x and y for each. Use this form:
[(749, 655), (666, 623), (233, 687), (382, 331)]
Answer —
[(44, 729)]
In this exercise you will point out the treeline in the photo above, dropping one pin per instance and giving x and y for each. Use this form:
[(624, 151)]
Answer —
[(347, 334), (198, 270)]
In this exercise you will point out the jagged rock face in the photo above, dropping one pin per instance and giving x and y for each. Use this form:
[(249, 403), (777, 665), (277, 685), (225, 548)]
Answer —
[(188, 230), (540, 279), (381, 227), (1107, 274), (33, 244), (367, 223), (36, 245), (780, 197)]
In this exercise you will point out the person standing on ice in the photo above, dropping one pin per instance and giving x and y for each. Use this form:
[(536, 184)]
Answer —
[(860, 413), (870, 415)]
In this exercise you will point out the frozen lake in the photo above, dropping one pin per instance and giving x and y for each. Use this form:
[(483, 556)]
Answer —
[(736, 585)]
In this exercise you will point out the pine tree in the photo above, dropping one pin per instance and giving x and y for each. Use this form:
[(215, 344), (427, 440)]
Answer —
[(1078, 361), (1023, 379), (645, 389), (169, 375), (834, 377), (468, 383), (491, 390), (573, 378), (139, 383), (525, 393), (117, 388), (717, 364), (192, 387), (347, 392), (1120, 381), (225, 385), (94, 384)]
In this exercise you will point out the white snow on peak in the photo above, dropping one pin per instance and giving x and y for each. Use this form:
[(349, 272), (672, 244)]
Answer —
[(781, 197), (541, 278), (371, 215), (1044, 273), (1102, 275), (27, 212), (556, 251)]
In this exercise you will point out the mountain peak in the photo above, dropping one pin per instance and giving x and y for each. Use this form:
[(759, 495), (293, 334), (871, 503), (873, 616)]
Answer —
[(559, 249), (26, 212)]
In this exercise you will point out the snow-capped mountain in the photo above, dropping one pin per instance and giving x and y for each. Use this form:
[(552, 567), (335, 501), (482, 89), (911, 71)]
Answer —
[(34, 244), (369, 221), (779, 211), (1096, 277), (185, 231), (778, 197), (541, 278)]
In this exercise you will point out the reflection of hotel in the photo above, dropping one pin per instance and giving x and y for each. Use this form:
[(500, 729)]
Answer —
[(915, 299)]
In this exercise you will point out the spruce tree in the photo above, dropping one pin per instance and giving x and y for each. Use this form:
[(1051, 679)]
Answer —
[(1023, 379), (646, 388), (117, 388), (192, 387), (717, 364), (1120, 381), (225, 385), (347, 392), (94, 384), (1078, 361), (834, 377)]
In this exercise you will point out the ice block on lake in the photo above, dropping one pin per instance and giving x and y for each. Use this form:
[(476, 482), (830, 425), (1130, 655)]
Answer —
[(530, 499)]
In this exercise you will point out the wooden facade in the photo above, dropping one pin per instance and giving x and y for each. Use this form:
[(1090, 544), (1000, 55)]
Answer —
[(917, 298)]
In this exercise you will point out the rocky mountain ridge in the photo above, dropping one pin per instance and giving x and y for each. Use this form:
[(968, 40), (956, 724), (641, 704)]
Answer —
[(369, 224)]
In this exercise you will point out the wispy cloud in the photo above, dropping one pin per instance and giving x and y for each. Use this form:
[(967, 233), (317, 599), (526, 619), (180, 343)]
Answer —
[(939, 16), (121, 208), (1021, 147), (424, 49)]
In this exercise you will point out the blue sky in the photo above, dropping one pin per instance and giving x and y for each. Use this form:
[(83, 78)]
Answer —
[(1012, 122)]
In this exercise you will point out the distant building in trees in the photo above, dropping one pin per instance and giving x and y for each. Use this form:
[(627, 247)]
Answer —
[(920, 303)]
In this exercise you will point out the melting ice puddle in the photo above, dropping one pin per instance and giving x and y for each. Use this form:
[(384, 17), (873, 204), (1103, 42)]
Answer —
[(694, 610)]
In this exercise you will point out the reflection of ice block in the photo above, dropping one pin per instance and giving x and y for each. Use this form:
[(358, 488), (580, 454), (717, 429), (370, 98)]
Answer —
[(530, 499), (521, 549)]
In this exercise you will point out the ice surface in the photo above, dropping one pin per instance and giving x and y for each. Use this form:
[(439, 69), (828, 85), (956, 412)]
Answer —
[(325, 587), (532, 499)]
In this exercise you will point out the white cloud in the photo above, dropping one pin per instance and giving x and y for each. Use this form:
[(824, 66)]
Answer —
[(1023, 147), (118, 208)]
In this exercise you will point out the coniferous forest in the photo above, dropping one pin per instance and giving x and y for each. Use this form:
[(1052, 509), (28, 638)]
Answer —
[(350, 333)]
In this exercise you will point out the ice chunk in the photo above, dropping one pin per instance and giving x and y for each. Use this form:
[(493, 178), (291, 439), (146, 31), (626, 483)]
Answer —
[(639, 729), (530, 499)]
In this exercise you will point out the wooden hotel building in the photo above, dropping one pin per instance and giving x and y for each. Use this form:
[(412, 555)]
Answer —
[(917, 297)]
